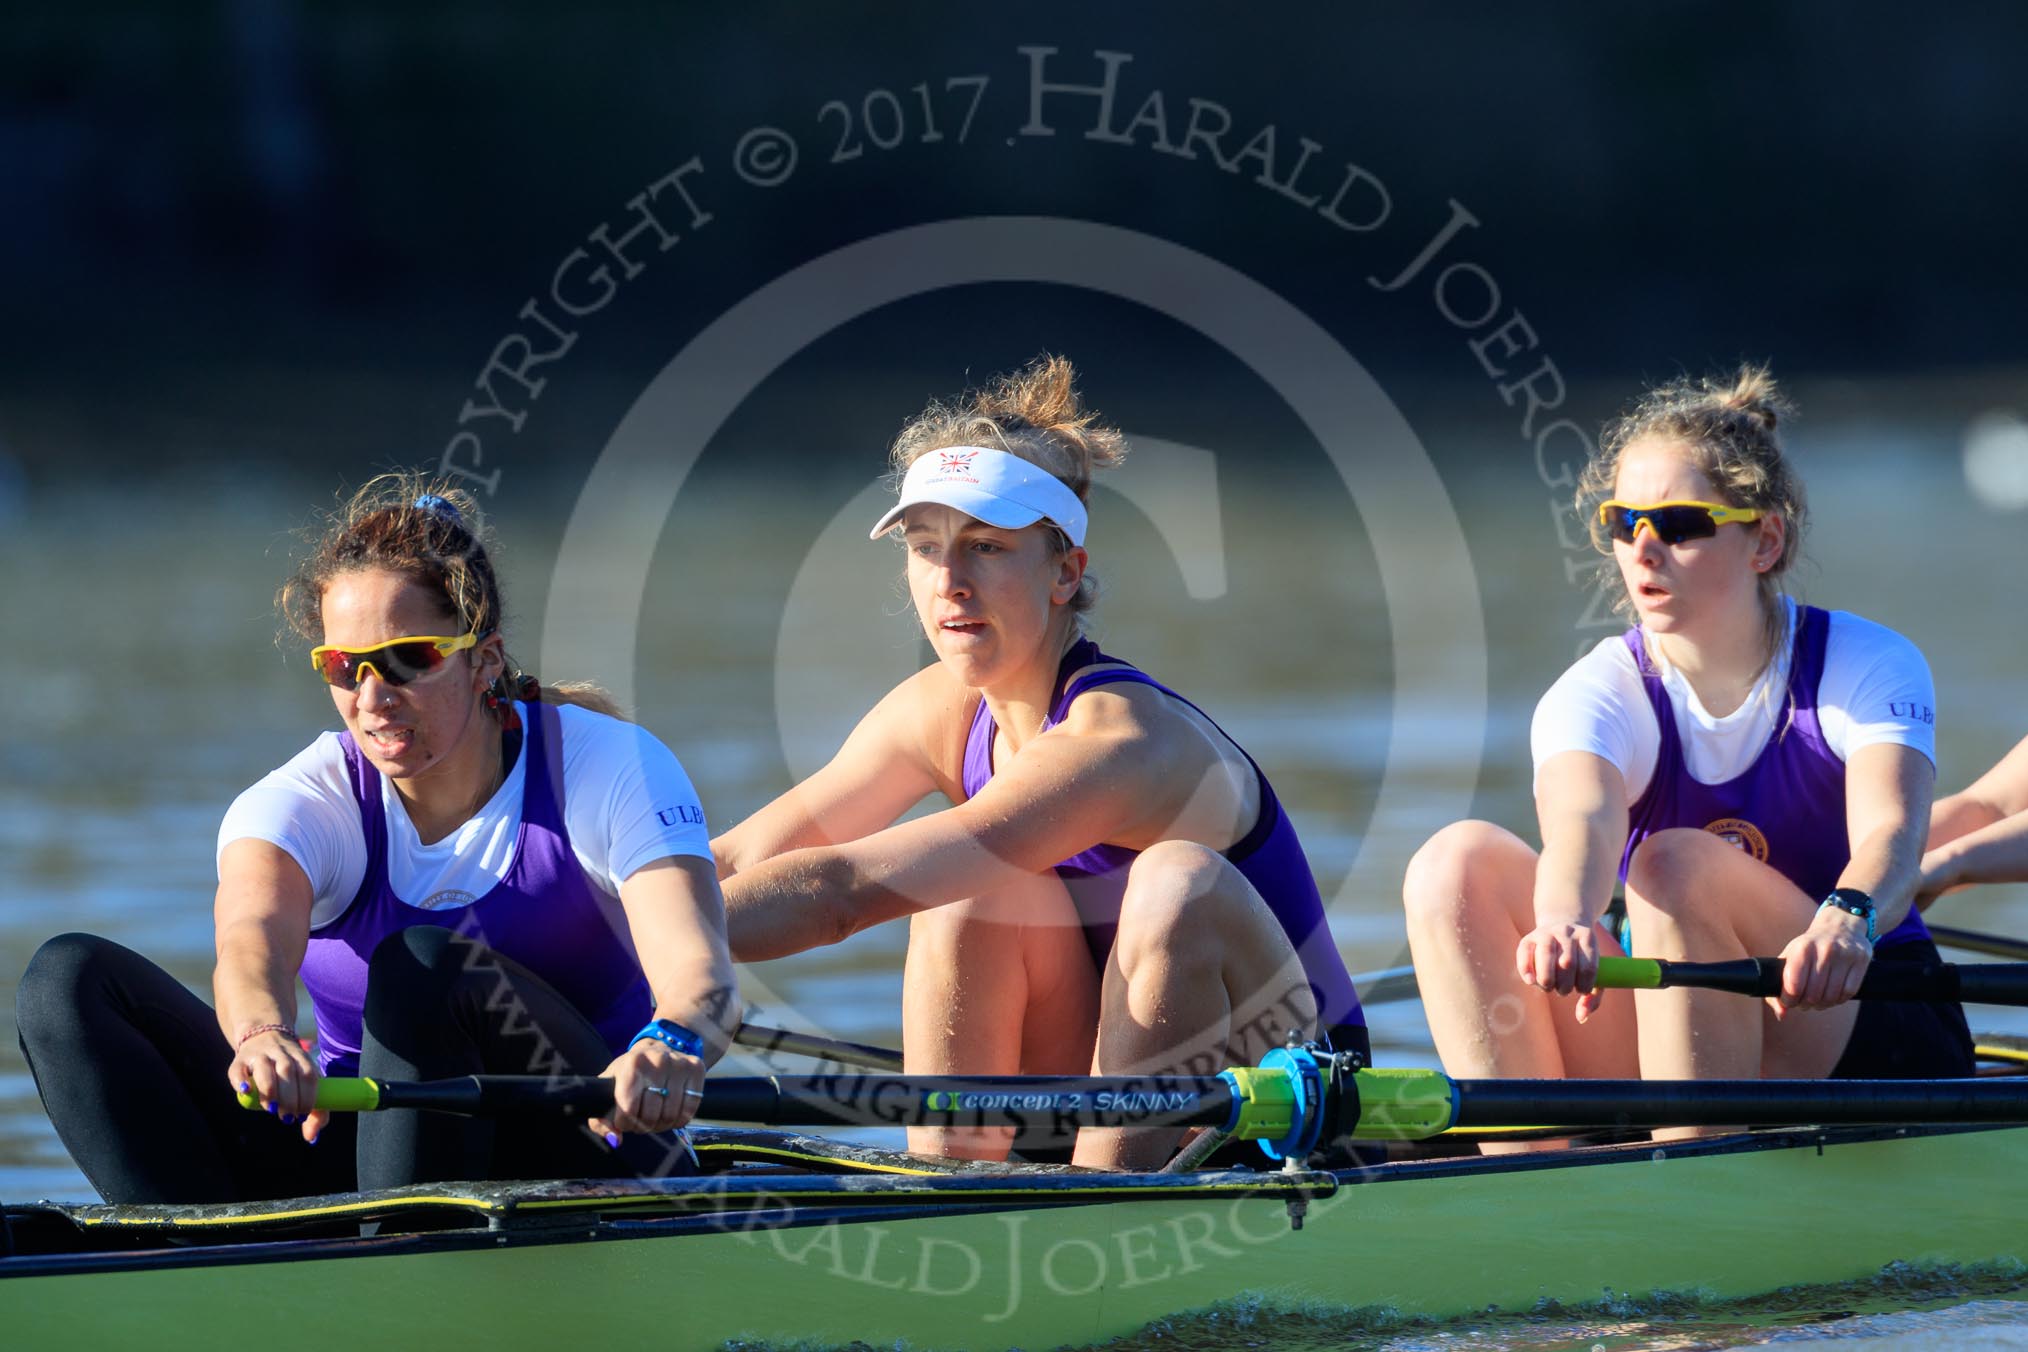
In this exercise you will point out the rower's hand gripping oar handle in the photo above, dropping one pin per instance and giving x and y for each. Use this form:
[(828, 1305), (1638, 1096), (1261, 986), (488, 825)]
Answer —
[(339, 1095), (1995, 983), (566, 1095)]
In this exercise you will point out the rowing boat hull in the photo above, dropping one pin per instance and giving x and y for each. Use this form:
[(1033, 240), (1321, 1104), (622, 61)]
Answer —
[(886, 1263)]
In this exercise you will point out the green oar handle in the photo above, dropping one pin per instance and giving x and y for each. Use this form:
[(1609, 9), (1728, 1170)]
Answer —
[(338, 1095)]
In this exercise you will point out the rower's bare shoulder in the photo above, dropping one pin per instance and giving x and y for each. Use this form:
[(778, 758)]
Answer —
[(1141, 725), (1133, 708), (931, 712)]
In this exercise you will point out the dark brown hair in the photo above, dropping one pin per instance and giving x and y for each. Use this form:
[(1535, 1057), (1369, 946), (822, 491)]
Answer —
[(434, 535)]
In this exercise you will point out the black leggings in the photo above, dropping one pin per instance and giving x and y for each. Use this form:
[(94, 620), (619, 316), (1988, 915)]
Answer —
[(439, 1004), (131, 1068), (1908, 1039)]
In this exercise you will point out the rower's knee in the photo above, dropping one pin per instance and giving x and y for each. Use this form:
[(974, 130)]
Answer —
[(432, 948), (1451, 868), (1667, 868), (62, 978), (938, 927), (1171, 902), (414, 968), (1676, 902), (946, 936)]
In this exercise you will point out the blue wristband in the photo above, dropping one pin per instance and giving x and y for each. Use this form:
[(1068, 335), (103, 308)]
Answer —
[(672, 1034)]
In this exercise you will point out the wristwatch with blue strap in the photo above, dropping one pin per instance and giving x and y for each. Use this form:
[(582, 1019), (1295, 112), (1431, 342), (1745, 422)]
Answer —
[(1854, 902)]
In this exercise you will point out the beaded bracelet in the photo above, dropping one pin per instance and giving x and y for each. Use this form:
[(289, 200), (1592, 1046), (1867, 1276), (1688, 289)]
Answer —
[(260, 1028)]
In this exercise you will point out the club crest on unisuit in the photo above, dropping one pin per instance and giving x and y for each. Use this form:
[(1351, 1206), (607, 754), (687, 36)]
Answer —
[(1741, 834)]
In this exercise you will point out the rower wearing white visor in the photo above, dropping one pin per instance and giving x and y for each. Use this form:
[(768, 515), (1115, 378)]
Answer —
[(992, 486), (1116, 889)]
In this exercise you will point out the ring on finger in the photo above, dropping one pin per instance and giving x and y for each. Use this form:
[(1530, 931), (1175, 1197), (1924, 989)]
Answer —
[(659, 1089)]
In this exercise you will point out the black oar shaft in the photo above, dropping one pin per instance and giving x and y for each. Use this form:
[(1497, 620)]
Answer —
[(1971, 941), (1974, 983), (1292, 1104), (792, 1043), (1059, 1102), (510, 1095), (1718, 1103), (1054, 1101), (1742, 976)]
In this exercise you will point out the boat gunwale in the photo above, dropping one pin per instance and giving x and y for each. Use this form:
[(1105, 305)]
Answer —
[(588, 1219)]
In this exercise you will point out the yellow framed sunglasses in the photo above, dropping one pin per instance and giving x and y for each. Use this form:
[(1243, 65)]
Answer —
[(1672, 522), (397, 661)]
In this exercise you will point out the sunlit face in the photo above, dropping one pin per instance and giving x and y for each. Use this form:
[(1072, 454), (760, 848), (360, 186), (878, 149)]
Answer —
[(407, 731), (1676, 588), (987, 596)]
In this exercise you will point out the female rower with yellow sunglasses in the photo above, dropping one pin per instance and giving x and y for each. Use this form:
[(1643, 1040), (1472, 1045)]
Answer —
[(1757, 773), (462, 877)]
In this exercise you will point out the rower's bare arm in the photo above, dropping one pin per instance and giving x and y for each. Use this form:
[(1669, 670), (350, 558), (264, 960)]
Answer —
[(1887, 797), (884, 768), (1061, 795), (1581, 807), (678, 923), (261, 920), (1995, 854), (1981, 834), (1998, 794)]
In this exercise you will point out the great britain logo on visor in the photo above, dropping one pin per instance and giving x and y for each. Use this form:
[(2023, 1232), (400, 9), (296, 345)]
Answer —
[(998, 488)]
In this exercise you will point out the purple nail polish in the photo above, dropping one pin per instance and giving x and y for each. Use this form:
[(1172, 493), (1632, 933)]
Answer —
[(274, 1109), (245, 1087), (613, 1139)]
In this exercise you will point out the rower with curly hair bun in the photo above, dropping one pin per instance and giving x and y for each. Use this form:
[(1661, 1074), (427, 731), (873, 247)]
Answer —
[(1117, 889), (478, 873), (1757, 772)]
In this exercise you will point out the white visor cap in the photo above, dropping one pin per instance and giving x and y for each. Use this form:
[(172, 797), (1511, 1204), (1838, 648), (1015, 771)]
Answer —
[(998, 488)]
